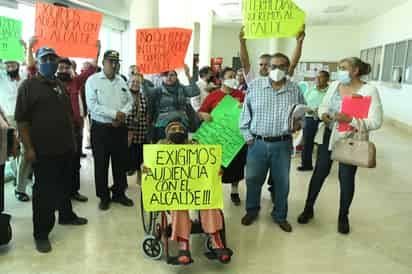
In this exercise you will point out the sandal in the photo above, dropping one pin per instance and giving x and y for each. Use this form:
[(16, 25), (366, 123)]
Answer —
[(219, 254), (176, 260)]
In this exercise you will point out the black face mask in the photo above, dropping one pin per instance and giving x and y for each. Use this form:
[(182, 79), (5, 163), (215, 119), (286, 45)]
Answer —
[(178, 137), (64, 76), (13, 73)]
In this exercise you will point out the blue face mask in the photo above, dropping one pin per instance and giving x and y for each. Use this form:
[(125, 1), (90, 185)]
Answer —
[(344, 77), (48, 69)]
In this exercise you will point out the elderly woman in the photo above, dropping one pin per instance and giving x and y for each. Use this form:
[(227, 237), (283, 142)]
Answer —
[(170, 102), (349, 84), (211, 219), (234, 173)]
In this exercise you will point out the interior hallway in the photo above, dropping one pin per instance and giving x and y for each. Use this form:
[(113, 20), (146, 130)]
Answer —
[(380, 239)]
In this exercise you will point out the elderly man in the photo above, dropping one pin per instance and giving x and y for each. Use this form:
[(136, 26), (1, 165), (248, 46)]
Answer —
[(109, 102), (264, 123)]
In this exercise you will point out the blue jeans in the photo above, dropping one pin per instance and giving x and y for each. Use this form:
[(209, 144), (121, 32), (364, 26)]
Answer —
[(261, 157)]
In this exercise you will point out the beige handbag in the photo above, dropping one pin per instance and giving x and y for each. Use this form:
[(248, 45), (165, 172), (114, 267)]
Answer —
[(356, 150)]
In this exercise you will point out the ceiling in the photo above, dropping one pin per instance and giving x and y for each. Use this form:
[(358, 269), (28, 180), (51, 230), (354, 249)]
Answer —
[(350, 12)]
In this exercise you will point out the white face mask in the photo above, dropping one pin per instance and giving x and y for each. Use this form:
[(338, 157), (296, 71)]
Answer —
[(231, 83), (277, 75)]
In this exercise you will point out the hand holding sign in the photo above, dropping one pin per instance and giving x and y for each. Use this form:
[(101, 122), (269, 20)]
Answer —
[(267, 19)]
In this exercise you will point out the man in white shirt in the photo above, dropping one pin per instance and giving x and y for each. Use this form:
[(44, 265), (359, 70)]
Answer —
[(109, 102), (10, 79), (205, 86)]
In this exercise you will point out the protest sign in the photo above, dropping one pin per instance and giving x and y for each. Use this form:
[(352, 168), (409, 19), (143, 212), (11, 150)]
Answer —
[(223, 130), (182, 177), (162, 49), (271, 18), (71, 32), (10, 34)]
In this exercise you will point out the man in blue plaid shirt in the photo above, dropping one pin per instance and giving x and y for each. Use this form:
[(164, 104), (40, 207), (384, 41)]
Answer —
[(264, 123)]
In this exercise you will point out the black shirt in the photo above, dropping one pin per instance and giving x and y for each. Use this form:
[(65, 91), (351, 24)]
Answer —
[(45, 105)]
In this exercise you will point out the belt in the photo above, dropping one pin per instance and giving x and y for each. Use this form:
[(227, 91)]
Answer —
[(106, 124), (274, 139)]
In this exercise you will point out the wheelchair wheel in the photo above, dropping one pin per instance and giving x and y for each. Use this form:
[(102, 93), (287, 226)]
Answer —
[(147, 217), (152, 247)]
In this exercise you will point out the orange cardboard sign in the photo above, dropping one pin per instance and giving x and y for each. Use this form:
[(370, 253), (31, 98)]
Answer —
[(71, 32), (162, 49)]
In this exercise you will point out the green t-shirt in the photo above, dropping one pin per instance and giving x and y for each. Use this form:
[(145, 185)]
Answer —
[(314, 97)]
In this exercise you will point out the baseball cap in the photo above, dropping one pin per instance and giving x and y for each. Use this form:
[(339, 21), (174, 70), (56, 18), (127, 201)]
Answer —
[(45, 51), (112, 55)]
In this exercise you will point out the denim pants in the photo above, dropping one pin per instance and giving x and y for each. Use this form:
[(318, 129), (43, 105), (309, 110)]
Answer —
[(309, 133), (261, 157), (346, 178)]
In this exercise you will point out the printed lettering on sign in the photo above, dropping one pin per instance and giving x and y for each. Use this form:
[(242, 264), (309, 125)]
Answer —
[(223, 130), (71, 32), (182, 177), (162, 49), (10, 34), (271, 18)]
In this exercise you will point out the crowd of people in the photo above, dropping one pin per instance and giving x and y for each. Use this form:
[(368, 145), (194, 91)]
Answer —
[(50, 105)]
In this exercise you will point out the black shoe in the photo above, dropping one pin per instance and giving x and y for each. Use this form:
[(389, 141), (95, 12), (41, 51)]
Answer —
[(343, 225), (104, 205), (235, 199), (285, 226), (76, 221), (305, 217), (43, 246), (79, 197), (123, 200), (21, 196), (249, 219), (304, 168)]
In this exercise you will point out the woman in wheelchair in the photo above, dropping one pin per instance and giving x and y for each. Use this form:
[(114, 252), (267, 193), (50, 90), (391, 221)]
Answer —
[(211, 219)]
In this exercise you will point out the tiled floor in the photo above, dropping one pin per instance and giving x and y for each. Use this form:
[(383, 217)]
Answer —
[(380, 241)]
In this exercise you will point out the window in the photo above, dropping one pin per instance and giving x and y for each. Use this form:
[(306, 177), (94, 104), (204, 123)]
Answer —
[(388, 62), (376, 69), (408, 68), (373, 57)]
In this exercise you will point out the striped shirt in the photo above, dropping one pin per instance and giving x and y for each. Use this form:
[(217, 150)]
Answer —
[(266, 111)]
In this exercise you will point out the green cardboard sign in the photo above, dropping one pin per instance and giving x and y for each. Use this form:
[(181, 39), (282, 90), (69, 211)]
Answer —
[(10, 34), (223, 130)]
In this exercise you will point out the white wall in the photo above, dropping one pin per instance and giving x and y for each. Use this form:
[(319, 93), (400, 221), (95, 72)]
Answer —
[(393, 26), (326, 43), (225, 43)]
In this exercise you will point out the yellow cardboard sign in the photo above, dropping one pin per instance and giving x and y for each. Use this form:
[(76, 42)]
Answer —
[(182, 177), (271, 18)]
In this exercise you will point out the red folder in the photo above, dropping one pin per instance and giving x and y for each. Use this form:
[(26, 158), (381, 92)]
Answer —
[(356, 107)]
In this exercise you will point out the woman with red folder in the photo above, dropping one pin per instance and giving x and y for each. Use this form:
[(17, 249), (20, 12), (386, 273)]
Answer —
[(349, 84)]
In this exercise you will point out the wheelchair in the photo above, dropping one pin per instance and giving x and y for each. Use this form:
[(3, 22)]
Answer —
[(158, 229)]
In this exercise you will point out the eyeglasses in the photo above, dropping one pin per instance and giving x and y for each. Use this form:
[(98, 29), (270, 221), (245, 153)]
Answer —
[(171, 75), (264, 65)]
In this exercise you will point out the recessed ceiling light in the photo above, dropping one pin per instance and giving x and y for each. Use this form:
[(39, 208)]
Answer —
[(336, 9)]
